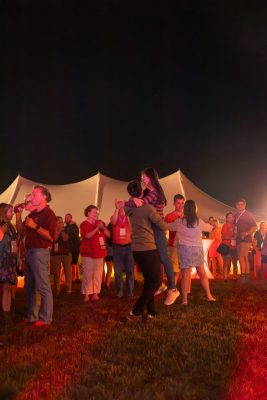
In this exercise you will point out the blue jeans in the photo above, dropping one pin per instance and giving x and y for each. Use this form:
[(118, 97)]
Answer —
[(123, 261), (161, 243), (37, 281)]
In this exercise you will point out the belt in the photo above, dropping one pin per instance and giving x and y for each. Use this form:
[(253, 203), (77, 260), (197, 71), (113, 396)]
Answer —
[(122, 245), (38, 248)]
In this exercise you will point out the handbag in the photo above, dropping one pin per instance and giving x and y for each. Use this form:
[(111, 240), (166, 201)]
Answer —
[(223, 249)]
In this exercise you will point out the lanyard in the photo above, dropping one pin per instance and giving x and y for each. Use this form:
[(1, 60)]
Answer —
[(239, 216)]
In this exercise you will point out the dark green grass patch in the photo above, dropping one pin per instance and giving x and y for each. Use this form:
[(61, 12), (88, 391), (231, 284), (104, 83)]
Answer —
[(186, 353)]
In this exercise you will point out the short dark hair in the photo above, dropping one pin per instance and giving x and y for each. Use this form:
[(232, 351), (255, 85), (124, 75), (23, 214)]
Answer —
[(88, 209), (45, 192), (134, 188), (69, 215), (241, 201), (178, 197)]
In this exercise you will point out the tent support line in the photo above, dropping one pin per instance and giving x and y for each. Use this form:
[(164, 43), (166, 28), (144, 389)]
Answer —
[(97, 190), (181, 185)]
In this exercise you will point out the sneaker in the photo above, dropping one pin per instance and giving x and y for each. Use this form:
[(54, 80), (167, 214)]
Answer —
[(172, 295), (161, 289), (131, 317), (39, 323)]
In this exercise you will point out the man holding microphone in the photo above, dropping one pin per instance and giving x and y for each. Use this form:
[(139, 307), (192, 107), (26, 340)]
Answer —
[(39, 228)]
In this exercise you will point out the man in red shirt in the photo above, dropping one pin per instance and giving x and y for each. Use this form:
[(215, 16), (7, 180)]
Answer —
[(178, 202), (122, 253), (40, 230)]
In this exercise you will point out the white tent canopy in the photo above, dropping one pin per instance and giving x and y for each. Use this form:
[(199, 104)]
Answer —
[(101, 191)]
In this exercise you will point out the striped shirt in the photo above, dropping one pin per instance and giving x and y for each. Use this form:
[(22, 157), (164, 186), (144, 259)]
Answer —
[(151, 198)]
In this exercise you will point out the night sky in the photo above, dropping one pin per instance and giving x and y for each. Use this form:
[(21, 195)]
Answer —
[(117, 86)]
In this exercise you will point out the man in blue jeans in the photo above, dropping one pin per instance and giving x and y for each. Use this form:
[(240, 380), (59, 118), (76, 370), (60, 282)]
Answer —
[(40, 229), (122, 252)]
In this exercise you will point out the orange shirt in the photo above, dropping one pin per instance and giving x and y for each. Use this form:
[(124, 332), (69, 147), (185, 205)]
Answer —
[(216, 234)]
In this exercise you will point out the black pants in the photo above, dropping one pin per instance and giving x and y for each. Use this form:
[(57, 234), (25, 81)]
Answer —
[(149, 264)]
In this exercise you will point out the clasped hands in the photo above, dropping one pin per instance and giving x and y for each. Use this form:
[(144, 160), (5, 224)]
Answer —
[(120, 203)]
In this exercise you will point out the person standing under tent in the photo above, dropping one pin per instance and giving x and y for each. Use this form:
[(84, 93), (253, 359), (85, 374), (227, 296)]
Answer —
[(229, 238), (108, 259), (178, 202), (122, 252), (40, 229), (215, 258), (245, 227), (190, 248), (71, 228), (93, 250), (8, 257), (154, 195), (263, 274), (61, 253), (258, 240)]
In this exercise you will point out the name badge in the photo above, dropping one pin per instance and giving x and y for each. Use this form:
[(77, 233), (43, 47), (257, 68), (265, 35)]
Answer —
[(122, 232), (101, 241), (14, 247)]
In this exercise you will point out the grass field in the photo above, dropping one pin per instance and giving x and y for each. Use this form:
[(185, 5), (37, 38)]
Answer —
[(203, 351)]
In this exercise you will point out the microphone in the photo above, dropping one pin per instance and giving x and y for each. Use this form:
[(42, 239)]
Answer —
[(20, 207)]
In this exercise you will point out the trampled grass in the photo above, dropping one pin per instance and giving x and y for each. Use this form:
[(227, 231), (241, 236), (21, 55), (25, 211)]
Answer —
[(204, 351)]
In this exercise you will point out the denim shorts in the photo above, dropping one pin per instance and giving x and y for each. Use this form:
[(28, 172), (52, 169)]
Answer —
[(190, 256)]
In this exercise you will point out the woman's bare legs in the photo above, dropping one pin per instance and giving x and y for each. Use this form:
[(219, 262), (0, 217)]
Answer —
[(185, 283), (205, 282)]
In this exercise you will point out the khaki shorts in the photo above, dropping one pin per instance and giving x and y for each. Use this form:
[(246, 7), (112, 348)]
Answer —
[(242, 249), (173, 254)]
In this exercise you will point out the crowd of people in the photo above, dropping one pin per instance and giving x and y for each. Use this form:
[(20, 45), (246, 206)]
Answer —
[(135, 237)]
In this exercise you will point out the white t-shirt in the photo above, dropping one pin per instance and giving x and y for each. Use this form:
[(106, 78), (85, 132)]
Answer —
[(189, 236)]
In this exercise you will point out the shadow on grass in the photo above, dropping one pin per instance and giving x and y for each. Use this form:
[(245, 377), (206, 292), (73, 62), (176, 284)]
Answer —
[(13, 378), (185, 353)]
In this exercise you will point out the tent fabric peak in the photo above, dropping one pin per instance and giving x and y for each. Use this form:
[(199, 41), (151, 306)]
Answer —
[(102, 190)]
